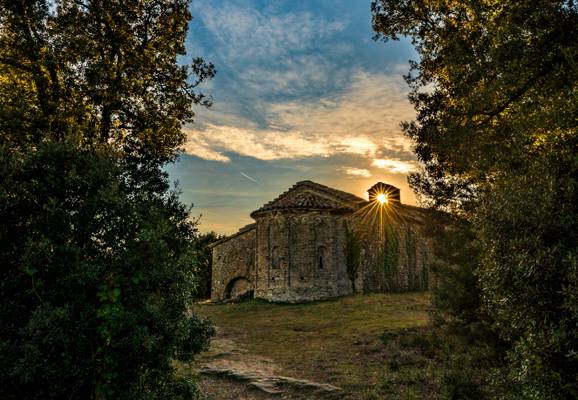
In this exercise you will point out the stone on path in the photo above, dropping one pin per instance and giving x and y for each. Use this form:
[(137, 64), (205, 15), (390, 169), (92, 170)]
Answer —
[(271, 384)]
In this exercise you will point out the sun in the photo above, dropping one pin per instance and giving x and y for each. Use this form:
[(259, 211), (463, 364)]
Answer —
[(382, 198)]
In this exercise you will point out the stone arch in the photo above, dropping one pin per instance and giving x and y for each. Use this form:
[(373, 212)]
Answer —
[(238, 287)]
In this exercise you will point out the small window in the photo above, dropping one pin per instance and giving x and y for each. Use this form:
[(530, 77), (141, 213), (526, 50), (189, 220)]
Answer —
[(320, 257), (275, 261)]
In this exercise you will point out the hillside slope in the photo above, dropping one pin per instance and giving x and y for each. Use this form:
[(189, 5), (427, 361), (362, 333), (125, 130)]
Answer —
[(338, 342)]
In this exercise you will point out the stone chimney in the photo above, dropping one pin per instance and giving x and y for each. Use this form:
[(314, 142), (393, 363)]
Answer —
[(393, 194)]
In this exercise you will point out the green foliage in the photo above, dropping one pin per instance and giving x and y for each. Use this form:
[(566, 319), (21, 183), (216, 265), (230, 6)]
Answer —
[(352, 253), (415, 249), (436, 363), (425, 275), (96, 281), (415, 280), (204, 263), (456, 295), (530, 270), (96, 249), (496, 94), (390, 257), (101, 73), (494, 79)]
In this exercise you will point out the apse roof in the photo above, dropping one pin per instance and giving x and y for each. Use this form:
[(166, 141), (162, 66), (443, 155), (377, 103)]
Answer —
[(308, 195)]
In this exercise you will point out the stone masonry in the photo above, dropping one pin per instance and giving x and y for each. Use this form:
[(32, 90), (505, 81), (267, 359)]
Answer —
[(314, 242)]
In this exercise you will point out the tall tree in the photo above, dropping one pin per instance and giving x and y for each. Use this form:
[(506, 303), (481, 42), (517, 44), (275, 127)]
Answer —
[(106, 68), (97, 253), (204, 262), (496, 95)]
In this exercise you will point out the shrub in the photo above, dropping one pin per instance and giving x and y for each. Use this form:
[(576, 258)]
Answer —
[(96, 280), (458, 385), (204, 263)]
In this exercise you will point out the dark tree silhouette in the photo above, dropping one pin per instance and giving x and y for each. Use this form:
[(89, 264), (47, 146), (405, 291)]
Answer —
[(496, 95), (97, 252)]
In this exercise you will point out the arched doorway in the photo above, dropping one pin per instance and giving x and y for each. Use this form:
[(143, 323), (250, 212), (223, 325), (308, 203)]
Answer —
[(238, 288)]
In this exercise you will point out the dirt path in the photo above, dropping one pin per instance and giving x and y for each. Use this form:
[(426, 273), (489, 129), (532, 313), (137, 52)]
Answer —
[(228, 371), (281, 351)]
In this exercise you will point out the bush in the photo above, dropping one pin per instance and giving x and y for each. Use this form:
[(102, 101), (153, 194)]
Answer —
[(529, 231), (96, 280), (459, 385), (204, 263)]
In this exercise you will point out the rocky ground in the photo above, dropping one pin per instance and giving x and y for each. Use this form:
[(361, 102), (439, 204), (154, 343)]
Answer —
[(228, 371)]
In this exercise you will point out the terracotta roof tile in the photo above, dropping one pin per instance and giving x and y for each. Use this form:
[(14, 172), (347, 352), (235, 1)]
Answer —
[(312, 196)]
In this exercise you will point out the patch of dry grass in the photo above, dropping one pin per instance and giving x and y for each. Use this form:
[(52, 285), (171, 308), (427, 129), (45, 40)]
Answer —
[(336, 341)]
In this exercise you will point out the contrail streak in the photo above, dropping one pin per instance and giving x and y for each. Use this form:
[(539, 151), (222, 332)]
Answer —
[(248, 177)]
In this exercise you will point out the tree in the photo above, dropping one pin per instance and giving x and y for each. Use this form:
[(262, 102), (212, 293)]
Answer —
[(96, 250), (456, 294), (496, 95), (204, 262), (97, 281), (103, 73)]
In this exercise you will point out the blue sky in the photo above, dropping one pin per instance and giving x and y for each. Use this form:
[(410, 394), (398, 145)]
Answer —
[(301, 92)]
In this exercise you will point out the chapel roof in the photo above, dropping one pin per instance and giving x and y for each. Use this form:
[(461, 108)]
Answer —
[(308, 195)]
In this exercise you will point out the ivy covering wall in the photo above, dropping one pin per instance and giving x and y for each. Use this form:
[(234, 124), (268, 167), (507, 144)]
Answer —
[(352, 254), (393, 260), (390, 258)]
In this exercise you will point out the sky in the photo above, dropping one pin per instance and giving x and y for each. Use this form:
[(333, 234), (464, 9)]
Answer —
[(302, 92)]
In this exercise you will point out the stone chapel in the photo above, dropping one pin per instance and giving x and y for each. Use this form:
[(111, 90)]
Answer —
[(315, 242)]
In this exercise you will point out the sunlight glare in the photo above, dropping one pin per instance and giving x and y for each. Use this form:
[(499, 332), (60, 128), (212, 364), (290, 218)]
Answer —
[(382, 198)]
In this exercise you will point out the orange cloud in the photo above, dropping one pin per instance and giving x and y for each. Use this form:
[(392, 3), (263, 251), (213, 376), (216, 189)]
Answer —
[(363, 120), (395, 166)]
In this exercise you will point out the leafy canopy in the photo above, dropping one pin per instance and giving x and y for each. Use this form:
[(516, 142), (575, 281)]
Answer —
[(496, 82), (99, 72), (97, 281), (496, 94), (97, 252)]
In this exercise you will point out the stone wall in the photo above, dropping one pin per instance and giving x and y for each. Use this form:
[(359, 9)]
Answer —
[(395, 259), (296, 256), (234, 265), (300, 256)]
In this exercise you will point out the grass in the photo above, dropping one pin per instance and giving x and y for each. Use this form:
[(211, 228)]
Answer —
[(351, 342)]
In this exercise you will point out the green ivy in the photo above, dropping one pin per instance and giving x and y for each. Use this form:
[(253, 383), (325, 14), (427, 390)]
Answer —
[(390, 258), (352, 254), (410, 249), (424, 270)]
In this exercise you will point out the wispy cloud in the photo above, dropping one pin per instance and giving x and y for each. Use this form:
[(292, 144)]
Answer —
[(363, 119), (395, 166), (291, 76), (271, 52), (248, 33), (215, 141), (358, 172)]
